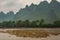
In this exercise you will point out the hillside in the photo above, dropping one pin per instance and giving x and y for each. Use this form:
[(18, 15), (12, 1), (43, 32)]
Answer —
[(48, 11)]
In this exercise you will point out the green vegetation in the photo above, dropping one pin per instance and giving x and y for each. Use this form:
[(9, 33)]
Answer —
[(29, 24)]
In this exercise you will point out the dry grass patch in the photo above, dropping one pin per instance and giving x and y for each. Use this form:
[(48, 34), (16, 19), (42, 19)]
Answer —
[(54, 33), (29, 33)]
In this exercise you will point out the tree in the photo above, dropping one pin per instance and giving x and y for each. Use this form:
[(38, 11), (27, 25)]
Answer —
[(57, 23), (41, 22), (19, 23), (37, 21), (13, 24), (33, 24), (27, 23)]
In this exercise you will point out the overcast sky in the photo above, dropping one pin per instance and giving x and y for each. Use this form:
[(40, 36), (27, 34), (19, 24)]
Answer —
[(15, 5)]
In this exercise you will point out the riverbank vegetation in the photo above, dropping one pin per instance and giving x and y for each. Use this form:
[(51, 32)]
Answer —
[(29, 24)]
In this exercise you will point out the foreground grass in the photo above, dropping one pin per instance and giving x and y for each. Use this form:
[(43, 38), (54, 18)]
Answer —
[(31, 33)]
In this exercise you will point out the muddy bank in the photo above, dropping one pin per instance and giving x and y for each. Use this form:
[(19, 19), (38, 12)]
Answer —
[(7, 36), (31, 33)]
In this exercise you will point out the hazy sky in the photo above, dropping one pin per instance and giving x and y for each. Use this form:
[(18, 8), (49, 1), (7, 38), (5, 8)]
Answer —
[(15, 5)]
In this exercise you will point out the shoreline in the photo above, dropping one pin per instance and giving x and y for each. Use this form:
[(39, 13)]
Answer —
[(32, 32), (30, 28)]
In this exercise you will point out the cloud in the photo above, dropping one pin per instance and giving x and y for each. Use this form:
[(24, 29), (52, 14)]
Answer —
[(8, 5)]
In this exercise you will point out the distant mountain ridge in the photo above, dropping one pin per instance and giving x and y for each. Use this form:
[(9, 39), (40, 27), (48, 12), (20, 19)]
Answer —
[(48, 11)]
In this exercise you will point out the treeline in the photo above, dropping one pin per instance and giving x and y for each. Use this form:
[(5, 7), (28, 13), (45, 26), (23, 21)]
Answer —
[(29, 24)]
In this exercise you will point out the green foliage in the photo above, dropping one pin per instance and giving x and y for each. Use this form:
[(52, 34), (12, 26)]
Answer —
[(28, 24), (41, 22), (57, 23), (33, 24)]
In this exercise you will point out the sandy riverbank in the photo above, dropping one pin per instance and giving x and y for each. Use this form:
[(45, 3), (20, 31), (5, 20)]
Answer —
[(43, 32), (6, 36)]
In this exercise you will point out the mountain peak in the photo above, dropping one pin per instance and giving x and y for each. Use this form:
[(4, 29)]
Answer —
[(53, 0), (10, 13), (54, 3), (26, 6), (32, 4), (1, 12), (43, 3)]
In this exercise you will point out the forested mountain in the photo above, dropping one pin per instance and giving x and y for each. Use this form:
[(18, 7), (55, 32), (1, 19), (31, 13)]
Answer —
[(6, 17), (9, 16), (2, 15), (48, 11)]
